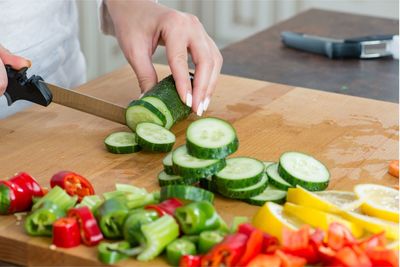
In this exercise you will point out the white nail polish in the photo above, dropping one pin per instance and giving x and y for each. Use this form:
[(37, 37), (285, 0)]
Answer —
[(206, 103), (200, 109), (189, 100), (141, 95)]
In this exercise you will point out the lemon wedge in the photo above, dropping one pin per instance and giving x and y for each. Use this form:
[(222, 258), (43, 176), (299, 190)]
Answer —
[(320, 219), (271, 219), (331, 201), (373, 224), (379, 201)]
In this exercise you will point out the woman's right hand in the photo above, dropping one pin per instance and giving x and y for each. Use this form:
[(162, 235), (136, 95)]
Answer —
[(17, 62)]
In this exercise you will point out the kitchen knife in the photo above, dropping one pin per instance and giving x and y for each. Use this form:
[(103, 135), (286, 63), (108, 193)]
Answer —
[(36, 90), (374, 46)]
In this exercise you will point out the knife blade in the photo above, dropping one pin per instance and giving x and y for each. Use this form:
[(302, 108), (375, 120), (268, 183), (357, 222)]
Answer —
[(36, 90)]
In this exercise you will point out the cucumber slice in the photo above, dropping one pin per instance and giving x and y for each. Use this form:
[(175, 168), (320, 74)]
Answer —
[(267, 164), (141, 111), (304, 170), (208, 184), (240, 172), (165, 90), (167, 163), (271, 194), (211, 138), (187, 166), (166, 179), (246, 192), (186, 192), (275, 179), (154, 138), (169, 120), (121, 143)]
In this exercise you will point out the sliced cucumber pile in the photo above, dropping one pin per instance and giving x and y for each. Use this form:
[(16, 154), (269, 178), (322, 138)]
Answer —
[(245, 192), (154, 138), (185, 192), (269, 194), (167, 163), (167, 179), (121, 143), (275, 179), (211, 138)]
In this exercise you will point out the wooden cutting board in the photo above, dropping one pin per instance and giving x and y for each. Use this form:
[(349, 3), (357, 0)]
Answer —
[(354, 137)]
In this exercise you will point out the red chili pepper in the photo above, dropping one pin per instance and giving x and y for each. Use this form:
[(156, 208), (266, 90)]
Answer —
[(90, 231), (290, 260), (228, 252), (73, 184), (254, 246), (339, 236), (166, 207), (190, 261), (270, 243), (66, 233), (24, 180)]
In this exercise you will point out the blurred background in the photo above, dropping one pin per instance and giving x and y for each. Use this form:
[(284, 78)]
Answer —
[(226, 21)]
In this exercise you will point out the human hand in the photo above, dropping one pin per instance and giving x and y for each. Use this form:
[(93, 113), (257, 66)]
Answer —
[(141, 25), (17, 62)]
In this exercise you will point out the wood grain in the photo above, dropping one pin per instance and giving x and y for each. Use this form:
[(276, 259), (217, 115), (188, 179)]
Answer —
[(355, 137)]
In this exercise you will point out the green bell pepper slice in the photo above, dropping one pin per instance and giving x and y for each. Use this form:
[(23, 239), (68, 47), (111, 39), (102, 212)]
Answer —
[(111, 215), (197, 217), (208, 239), (110, 253), (132, 226), (40, 222), (179, 248), (5, 199)]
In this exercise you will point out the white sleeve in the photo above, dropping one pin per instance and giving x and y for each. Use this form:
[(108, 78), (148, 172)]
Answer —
[(105, 21)]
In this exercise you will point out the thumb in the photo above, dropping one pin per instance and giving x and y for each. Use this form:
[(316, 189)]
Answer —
[(3, 78), (16, 62)]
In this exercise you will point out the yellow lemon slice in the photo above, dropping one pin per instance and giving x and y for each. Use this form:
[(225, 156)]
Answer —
[(271, 219), (379, 201), (373, 224), (320, 219)]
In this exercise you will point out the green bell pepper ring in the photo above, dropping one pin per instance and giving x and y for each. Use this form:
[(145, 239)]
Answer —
[(111, 253), (5, 199), (111, 215), (40, 222), (197, 217), (179, 248), (133, 223), (208, 239)]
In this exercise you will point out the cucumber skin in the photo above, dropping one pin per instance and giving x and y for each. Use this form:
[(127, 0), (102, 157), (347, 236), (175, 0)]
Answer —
[(208, 184), (186, 192), (148, 106), (256, 202), (150, 147), (311, 186), (169, 120), (278, 185), (122, 150), (200, 172), (169, 170), (182, 181), (165, 90), (212, 153), (241, 194)]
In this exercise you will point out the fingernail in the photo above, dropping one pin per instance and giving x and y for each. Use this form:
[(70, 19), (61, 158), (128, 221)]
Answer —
[(206, 103), (141, 95), (189, 100), (200, 109)]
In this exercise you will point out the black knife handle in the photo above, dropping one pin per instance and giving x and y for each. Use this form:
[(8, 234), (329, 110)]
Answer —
[(21, 88)]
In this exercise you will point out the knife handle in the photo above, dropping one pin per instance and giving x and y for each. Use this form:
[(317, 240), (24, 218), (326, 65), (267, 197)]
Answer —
[(21, 88)]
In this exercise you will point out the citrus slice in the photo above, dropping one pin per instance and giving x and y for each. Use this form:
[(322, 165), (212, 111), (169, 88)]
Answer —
[(373, 224), (330, 201), (320, 219), (271, 219), (379, 201)]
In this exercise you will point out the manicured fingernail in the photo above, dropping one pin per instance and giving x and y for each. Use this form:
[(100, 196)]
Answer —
[(206, 103), (200, 109), (141, 95), (189, 100)]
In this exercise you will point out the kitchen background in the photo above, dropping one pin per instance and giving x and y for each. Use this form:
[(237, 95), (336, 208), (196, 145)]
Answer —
[(226, 21)]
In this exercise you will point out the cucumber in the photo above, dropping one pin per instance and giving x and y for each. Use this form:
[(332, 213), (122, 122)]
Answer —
[(141, 111), (211, 138), (187, 166), (240, 172), (166, 179), (246, 192), (208, 184), (267, 164), (121, 143), (185, 192), (165, 90), (167, 163), (169, 120), (275, 179), (304, 170), (269, 194), (154, 138)]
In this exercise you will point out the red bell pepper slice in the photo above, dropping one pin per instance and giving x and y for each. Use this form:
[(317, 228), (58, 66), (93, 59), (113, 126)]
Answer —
[(24, 180), (270, 243), (228, 252), (298, 243), (383, 257), (66, 233), (351, 256), (377, 240), (166, 207), (264, 260), (289, 260), (89, 229), (253, 247), (317, 237), (190, 261), (73, 184), (339, 236)]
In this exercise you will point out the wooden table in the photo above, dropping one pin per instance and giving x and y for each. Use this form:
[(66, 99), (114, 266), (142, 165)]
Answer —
[(355, 137), (264, 57)]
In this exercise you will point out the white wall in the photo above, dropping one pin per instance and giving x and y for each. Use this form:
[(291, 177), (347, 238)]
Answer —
[(225, 20)]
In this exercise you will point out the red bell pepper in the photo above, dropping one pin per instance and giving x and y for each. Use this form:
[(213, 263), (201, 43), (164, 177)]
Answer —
[(228, 252), (66, 233), (270, 243), (317, 237), (73, 184), (166, 207), (264, 260), (383, 257), (254, 246), (90, 231), (289, 260), (377, 240), (339, 236), (190, 261), (351, 256)]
